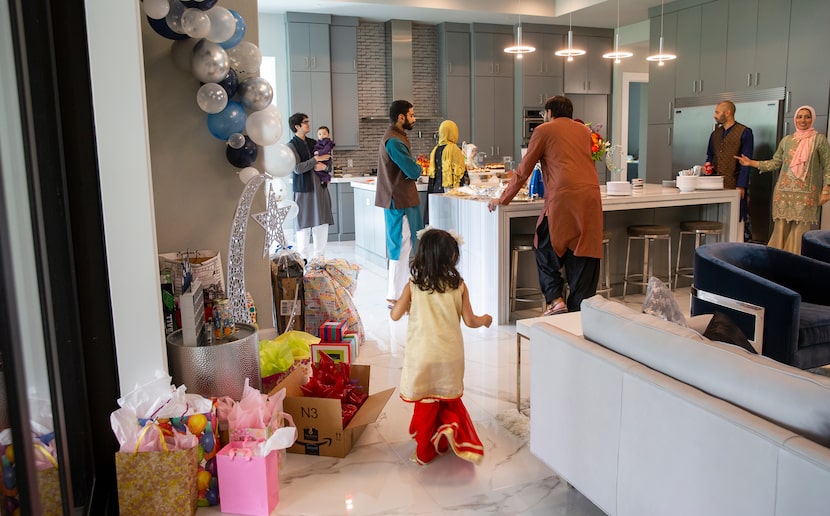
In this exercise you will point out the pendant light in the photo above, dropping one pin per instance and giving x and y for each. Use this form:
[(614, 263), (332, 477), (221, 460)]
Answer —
[(570, 52), (616, 55), (660, 57), (519, 49)]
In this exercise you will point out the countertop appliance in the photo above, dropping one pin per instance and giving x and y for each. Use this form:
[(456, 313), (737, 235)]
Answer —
[(693, 123)]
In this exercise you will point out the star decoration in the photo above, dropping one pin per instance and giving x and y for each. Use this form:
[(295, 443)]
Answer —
[(272, 221)]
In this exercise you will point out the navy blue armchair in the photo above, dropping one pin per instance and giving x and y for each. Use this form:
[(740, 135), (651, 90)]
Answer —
[(816, 244), (777, 298)]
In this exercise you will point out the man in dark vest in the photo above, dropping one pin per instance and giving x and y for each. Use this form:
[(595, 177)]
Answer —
[(730, 136), (397, 194)]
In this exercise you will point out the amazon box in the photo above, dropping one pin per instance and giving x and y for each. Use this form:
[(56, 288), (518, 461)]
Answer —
[(320, 420)]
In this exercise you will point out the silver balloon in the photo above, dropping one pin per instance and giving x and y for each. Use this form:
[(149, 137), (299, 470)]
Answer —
[(245, 57), (156, 9), (222, 24), (195, 23), (279, 160), (174, 17), (255, 93), (210, 62), (182, 53), (236, 141), (211, 98), (264, 126), (247, 173)]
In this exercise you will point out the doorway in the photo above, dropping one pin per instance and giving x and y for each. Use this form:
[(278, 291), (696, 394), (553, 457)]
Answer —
[(633, 123)]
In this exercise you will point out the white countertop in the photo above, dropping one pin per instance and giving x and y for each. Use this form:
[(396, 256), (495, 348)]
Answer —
[(371, 184), (352, 179)]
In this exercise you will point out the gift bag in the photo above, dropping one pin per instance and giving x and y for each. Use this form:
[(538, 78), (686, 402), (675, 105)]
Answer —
[(205, 265), (329, 285), (288, 293), (157, 482), (48, 480)]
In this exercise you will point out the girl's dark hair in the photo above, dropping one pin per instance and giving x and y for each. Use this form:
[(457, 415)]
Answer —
[(433, 268)]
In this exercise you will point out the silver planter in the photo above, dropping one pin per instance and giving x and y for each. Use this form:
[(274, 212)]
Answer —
[(219, 369)]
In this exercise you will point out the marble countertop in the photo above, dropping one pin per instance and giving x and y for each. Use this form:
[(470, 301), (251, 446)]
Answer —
[(371, 184), (352, 179)]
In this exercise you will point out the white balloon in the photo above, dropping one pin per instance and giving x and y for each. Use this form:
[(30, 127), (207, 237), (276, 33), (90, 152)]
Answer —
[(156, 9), (264, 126), (211, 98), (247, 173), (182, 53), (245, 57), (174, 17), (236, 141), (279, 160), (222, 24), (195, 23), (278, 187)]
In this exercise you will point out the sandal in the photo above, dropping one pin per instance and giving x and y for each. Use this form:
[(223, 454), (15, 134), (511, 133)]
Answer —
[(556, 308)]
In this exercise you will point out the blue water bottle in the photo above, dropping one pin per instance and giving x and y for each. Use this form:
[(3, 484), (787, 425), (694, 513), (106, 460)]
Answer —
[(536, 188)]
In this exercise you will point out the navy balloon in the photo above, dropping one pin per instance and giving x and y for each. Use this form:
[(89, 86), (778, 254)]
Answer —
[(162, 29), (243, 156), (228, 121), (230, 83), (204, 5), (238, 35)]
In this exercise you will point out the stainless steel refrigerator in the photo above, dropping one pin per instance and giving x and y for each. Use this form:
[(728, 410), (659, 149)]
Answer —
[(694, 123)]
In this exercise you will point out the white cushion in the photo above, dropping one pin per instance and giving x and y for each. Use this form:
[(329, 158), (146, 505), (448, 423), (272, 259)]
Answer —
[(782, 394)]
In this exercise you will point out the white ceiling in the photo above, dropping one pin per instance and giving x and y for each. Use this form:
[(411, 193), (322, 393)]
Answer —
[(586, 13)]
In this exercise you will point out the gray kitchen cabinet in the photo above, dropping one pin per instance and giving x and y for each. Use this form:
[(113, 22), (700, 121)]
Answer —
[(494, 113), (345, 212), (454, 77), (536, 89), (589, 73), (756, 48), (658, 164), (334, 228), (370, 226), (311, 94), (701, 40), (344, 84), (490, 58), (592, 109), (542, 62), (661, 79), (808, 80), (308, 46)]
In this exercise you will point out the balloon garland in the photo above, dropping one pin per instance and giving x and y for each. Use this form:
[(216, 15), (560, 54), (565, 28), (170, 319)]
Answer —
[(208, 42)]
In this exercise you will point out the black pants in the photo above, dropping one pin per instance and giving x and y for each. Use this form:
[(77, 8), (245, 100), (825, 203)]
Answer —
[(582, 272)]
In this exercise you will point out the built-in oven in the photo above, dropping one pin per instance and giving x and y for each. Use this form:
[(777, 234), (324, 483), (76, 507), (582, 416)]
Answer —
[(532, 119)]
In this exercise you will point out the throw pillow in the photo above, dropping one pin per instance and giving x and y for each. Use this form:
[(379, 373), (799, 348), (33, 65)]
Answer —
[(661, 303), (722, 329)]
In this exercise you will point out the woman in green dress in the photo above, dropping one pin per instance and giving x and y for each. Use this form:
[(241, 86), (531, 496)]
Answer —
[(804, 183)]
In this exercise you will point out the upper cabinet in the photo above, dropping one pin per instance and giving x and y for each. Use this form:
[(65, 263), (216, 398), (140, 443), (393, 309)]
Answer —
[(541, 70), (344, 89), (490, 58), (590, 73), (808, 76), (308, 46), (701, 40), (456, 52), (661, 82), (756, 48), (454, 76)]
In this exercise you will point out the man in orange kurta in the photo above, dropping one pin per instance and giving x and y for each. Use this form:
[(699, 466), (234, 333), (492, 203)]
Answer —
[(569, 229)]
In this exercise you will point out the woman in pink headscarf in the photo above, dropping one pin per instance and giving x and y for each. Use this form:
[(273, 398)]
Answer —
[(804, 183)]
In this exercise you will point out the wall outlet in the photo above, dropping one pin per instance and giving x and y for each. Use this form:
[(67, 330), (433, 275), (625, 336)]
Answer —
[(349, 163)]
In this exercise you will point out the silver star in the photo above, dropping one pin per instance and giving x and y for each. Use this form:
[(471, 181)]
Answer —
[(272, 221)]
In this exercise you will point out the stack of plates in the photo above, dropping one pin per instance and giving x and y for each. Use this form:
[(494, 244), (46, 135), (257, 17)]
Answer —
[(618, 188), (710, 183)]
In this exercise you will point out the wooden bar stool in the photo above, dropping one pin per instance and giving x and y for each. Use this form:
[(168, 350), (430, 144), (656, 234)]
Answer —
[(604, 286), (522, 244), (649, 234), (701, 230)]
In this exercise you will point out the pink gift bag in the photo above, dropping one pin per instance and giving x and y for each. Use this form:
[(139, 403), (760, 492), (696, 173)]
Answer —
[(248, 484)]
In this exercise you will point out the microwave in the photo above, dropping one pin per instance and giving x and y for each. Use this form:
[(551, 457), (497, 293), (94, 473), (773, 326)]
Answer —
[(532, 119)]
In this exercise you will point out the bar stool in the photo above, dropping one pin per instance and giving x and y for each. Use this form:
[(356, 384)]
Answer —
[(604, 286), (702, 230), (522, 244), (649, 234)]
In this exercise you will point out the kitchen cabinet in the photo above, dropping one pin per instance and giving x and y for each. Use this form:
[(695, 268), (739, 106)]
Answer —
[(311, 94), (541, 70), (701, 41), (494, 113), (344, 88), (536, 90), (345, 212), (808, 80), (589, 73), (370, 227), (661, 77), (658, 164), (454, 77), (756, 47), (490, 58), (308, 46), (334, 227)]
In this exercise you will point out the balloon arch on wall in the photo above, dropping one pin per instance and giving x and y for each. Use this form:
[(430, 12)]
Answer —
[(208, 42)]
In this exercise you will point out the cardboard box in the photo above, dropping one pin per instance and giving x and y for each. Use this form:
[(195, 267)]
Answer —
[(320, 420), (337, 351)]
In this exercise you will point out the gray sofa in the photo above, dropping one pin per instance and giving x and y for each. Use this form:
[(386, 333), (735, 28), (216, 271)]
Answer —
[(645, 417)]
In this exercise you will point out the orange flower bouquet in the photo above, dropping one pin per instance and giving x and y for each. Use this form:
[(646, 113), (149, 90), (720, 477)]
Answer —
[(598, 145)]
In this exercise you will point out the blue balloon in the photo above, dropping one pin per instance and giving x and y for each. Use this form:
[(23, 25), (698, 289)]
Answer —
[(243, 156), (212, 496), (230, 82), (9, 478), (207, 441), (162, 29), (228, 121), (238, 34), (204, 5)]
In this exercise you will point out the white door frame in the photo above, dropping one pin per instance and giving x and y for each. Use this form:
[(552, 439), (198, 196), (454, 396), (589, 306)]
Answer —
[(627, 79)]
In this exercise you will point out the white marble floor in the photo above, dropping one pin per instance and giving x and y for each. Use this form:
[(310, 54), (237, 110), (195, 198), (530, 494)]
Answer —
[(377, 477)]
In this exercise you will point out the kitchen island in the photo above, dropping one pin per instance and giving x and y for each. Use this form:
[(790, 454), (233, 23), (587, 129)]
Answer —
[(485, 255)]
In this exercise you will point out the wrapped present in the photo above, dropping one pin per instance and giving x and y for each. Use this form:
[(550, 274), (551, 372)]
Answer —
[(329, 286), (288, 292), (351, 338), (332, 331)]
